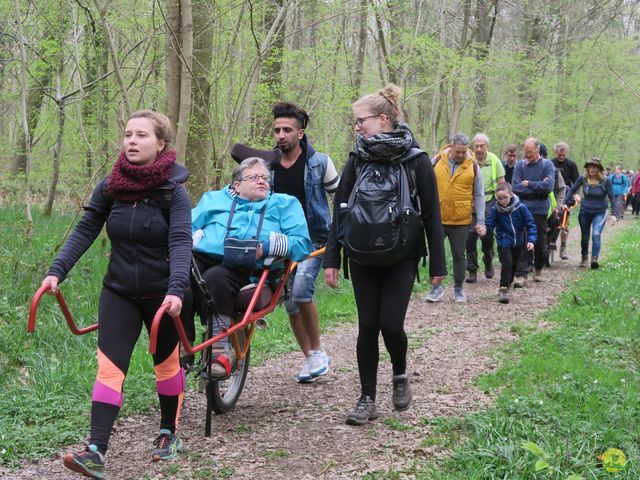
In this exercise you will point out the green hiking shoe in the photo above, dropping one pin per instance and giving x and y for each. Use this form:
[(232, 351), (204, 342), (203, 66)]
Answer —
[(89, 462), (167, 445)]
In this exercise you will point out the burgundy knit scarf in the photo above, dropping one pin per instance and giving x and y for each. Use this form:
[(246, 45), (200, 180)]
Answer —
[(131, 183)]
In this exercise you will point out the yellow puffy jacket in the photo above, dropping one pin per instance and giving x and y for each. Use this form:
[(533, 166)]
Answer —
[(455, 191)]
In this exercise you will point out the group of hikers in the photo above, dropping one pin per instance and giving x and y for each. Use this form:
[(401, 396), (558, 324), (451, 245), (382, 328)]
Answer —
[(392, 206)]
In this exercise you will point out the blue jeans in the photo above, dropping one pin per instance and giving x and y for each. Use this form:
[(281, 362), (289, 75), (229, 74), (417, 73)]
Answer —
[(591, 223), (302, 285)]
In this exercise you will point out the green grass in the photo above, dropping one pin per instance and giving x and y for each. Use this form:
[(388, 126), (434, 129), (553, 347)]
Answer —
[(47, 378), (564, 395)]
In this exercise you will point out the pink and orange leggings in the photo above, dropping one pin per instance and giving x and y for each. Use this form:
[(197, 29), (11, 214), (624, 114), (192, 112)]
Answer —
[(120, 322)]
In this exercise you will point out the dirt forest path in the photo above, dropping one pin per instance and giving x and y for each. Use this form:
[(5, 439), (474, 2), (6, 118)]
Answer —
[(282, 430)]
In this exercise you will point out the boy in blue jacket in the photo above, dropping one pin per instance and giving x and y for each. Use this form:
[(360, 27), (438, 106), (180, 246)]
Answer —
[(512, 222)]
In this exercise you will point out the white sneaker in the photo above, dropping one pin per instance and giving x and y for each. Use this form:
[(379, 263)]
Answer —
[(304, 376), (436, 294), (318, 363)]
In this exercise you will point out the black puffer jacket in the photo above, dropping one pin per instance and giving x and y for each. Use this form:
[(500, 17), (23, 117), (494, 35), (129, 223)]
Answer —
[(149, 257)]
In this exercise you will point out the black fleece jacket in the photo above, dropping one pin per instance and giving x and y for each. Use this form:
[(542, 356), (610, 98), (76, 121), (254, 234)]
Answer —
[(149, 257), (428, 193)]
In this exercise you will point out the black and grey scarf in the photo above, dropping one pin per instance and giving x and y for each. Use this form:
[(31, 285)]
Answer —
[(515, 201), (386, 146)]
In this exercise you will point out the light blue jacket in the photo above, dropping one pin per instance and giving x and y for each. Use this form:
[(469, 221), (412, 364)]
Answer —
[(283, 216), (621, 184)]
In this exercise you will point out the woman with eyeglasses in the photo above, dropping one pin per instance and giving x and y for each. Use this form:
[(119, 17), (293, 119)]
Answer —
[(382, 292), (243, 217)]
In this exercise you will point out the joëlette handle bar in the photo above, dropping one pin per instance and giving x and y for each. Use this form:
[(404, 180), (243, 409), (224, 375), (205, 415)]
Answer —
[(31, 326), (565, 217), (248, 317)]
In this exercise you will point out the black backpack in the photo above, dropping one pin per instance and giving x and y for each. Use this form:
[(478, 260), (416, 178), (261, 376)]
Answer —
[(381, 223)]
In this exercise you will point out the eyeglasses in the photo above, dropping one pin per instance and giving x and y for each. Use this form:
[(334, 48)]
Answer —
[(503, 199), (360, 121), (256, 178)]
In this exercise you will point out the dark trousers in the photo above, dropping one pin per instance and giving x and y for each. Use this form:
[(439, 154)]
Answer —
[(222, 283), (635, 204), (509, 258), (486, 242), (619, 206), (382, 296), (539, 256), (120, 321)]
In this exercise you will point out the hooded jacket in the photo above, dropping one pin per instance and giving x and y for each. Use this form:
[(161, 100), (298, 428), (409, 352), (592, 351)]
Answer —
[(510, 223), (150, 247)]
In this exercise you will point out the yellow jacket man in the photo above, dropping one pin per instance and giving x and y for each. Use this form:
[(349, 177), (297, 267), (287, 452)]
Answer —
[(461, 194)]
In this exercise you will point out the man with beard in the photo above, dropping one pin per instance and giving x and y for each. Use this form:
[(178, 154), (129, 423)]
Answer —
[(309, 176)]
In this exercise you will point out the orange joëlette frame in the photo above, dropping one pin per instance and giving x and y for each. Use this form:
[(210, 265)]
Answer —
[(248, 319), (249, 316)]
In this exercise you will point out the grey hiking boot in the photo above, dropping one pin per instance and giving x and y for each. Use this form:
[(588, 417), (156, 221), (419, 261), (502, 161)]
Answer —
[(401, 392), (584, 262), (489, 272), (563, 252), (364, 411), (594, 263), (503, 295), (436, 294), (459, 296)]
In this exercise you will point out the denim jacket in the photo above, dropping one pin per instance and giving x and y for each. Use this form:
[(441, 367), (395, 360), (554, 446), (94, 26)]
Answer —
[(317, 205)]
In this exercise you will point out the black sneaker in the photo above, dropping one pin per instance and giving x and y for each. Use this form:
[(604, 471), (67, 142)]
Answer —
[(401, 392), (89, 462), (594, 263), (364, 411)]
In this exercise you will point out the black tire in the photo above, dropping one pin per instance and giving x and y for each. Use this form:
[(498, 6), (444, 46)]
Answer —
[(224, 394)]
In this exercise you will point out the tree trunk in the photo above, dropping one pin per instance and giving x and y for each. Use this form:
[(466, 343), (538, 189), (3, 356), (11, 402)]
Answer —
[(271, 73), (25, 122), (456, 101), (173, 62), (57, 152), (200, 131), (114, 57), (182, 132), (486, 13), (362, 49)]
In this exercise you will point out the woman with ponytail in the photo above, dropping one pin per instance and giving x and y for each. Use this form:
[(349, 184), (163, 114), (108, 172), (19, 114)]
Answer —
[(382, 293), (148, 219)]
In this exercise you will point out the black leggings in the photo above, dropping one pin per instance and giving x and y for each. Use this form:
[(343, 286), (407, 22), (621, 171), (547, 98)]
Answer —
[(120, 321), (382, 296)]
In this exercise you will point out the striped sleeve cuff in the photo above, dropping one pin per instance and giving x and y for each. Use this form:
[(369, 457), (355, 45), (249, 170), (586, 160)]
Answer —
[(278, 244)]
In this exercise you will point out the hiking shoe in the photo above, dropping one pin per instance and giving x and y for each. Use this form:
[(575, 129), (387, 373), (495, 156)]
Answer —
[(489, 272), (472, 277), (594, 263), (436, 294), (459, 296), (401, 392), (520, 282), (584, 262), (364, 411), (89, 462), (537, 276), (563, 253), (167, 446), (503, 295), (304, 376), (318, 362), (222, 360)]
